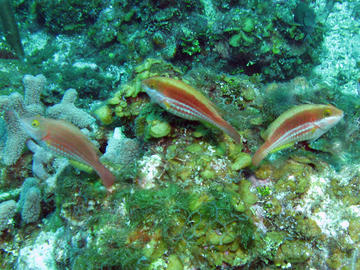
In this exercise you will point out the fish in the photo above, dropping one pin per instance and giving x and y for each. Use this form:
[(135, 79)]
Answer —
[(300, 123), (65, 139), (184, 101)]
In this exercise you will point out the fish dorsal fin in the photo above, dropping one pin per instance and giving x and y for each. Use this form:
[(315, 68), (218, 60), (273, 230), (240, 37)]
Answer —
[(287, 115), (196, 93)]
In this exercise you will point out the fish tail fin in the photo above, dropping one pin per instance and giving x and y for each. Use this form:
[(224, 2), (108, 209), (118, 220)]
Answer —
[(259, 155), (231, 131), (105, 174)]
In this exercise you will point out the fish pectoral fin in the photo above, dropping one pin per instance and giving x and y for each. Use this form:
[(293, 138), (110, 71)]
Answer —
[(81, 166), (167, 105), (282, 147), (316, 127)]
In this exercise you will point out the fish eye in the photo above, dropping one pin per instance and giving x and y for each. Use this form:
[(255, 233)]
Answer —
[(35, 123), (327, 113)]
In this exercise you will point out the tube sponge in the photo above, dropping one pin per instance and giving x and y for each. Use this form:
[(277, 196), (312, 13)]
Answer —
[(29, 202), (30, 211), (7, 212)]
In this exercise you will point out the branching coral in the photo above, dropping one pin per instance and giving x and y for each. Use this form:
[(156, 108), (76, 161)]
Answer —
[(16, 105), (120, 149), (121, 153), (16, 137), (40, 158), (34, 85), (67, 110)]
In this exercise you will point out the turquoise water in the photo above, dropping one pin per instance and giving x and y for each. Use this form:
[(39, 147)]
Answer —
[(186, 194)]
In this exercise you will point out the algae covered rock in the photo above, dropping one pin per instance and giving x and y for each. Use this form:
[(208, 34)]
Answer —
[(298, 183), (104, 114), (293, 251), (248, 25), (71, 17), (216, 238), (354, 230), (242, 160), (174, 263), (235, 40), (308, 228), (247, 196), (159, 129)]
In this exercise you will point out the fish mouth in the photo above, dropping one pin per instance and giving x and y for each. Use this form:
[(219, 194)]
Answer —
[(325, 124), (24, 122)]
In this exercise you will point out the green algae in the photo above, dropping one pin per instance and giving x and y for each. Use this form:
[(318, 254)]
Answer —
[(354, 229), (247, 196), (190, 46), (203, 218), (174, 263), (235, 40), (219, 210), (157, 208), (243, 160), (293, 251), (269, 244), (158, 129), (194, 148), (335, 260), (104, 114), (164, 218), (301, 178), (216, 238), (308, 228), (248, 25), (111, 250), (208, 174)]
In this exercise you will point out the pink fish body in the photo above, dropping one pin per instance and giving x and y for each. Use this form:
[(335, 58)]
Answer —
[(185, 101), (67, 140), (300, 123)]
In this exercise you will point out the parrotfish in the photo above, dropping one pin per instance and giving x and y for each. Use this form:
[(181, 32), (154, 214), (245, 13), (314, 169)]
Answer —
[(300, 123), (66, 140), (185, 101)]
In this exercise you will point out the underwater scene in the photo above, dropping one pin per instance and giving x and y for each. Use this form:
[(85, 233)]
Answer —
[(209, 134)]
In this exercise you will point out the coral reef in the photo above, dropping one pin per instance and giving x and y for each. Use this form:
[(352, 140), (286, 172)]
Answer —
[(67, 110), (14, 106), (41, 157), (39, 254), (186, 195), (71, 17), (121, 152)]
